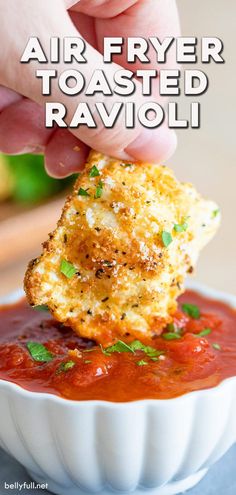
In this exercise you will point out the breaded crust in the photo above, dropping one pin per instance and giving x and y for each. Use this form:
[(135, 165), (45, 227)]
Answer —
[(131, 232)]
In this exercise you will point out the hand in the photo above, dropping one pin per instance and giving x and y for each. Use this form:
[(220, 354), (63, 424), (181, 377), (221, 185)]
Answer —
[(21, 103)]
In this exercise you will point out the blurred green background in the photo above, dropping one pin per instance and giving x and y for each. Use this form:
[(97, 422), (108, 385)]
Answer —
[(23, 180), (30, 206)]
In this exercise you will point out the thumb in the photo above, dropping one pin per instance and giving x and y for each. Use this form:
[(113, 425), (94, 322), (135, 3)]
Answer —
[(134, 143)]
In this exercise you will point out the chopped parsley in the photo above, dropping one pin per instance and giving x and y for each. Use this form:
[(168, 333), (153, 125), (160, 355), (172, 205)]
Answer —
[(216, 346), (191, 310), (171, 336), (119, 346), (82, 192), (108, 263), (170, 327), (141, 362), (98, 191), (41, 307), (94, 172), (166, 238), (150, 352), (215, 213), (134, 346), (87, 361), (180, 227), (66, 366), (39, 352), (67, 268), (204, 332), (172, 332)]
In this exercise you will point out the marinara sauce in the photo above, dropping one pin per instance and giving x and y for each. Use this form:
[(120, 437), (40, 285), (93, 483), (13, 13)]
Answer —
[(197, 351)]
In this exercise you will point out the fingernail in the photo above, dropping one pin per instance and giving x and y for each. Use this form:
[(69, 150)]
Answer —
[(65, 163), (23, 151), (154, 145), (60, 170)]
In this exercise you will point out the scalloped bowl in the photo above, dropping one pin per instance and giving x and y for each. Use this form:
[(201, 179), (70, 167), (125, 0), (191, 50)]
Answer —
[(160, 447)]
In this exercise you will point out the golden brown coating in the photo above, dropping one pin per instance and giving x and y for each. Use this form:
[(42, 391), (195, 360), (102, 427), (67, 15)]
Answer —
[(130, 233)]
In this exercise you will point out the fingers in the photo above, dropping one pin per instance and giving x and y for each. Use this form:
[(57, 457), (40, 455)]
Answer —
[(118, 141), (104, 9), (22, 128), (134, 18), (159, 143), (64, 154), (39, 19), (113, 141), (8, 97)]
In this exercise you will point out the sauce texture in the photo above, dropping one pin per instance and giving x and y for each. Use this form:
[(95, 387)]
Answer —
[(197, 351)]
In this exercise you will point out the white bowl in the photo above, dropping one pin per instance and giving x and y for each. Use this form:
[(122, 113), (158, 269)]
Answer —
[(148, 446)]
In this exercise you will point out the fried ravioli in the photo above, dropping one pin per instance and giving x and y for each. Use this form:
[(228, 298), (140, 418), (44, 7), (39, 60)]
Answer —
[(119, 256)]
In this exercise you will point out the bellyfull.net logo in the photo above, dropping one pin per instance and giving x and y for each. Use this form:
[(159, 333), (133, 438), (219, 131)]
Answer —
[(26, 485)]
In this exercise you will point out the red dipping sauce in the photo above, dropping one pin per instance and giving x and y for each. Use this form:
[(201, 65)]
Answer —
[(199, 356)]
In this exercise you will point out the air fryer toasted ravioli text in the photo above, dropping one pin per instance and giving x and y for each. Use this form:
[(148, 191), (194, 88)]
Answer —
[(126, 239)]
